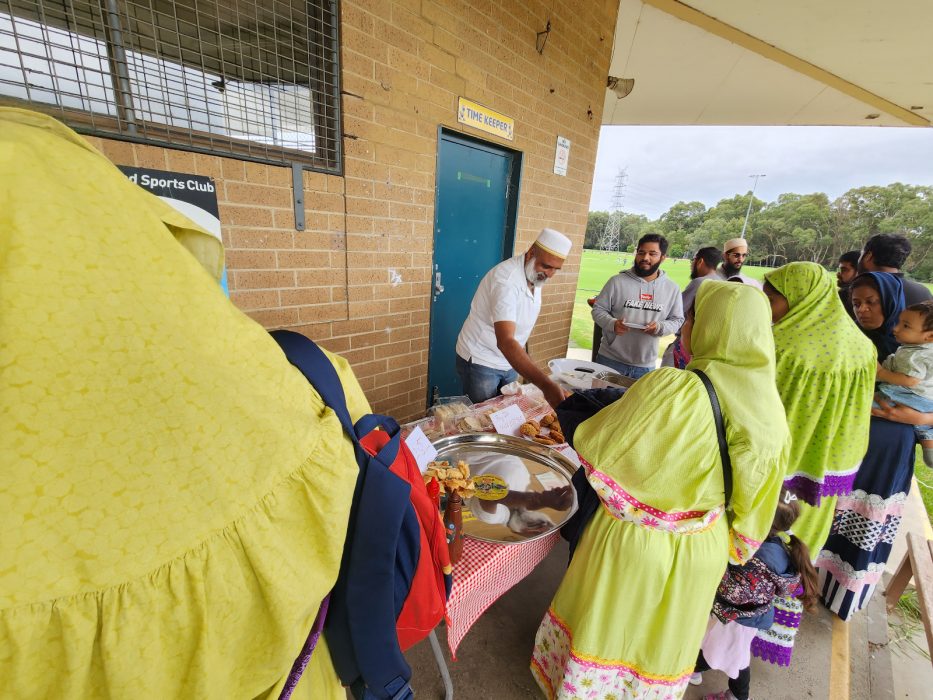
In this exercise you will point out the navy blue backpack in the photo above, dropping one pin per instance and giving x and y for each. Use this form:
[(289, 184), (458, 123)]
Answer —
[(382, 551)]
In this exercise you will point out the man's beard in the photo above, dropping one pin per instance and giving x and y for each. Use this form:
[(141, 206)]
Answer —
[(731, 270), (641, 272), (533, 276), (694, 271)]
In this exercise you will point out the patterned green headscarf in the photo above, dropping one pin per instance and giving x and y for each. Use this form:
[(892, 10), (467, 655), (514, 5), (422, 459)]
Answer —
[(731, 344), (825, 376)]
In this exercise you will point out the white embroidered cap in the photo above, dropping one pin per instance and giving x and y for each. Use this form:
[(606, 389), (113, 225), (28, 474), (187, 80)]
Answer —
[(554, 242)]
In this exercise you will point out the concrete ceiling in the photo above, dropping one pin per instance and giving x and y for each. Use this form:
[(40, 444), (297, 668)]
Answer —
[(758, 62)]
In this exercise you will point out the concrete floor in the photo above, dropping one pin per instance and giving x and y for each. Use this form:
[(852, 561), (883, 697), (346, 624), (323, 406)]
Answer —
[(493, 658), (912, 672)]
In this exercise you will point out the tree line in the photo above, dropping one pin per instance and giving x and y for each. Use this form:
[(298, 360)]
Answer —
[(794, 227)]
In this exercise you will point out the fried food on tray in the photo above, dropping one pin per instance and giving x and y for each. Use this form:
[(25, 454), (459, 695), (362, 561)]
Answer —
[(548, 419), (451, 479), (529, 429)]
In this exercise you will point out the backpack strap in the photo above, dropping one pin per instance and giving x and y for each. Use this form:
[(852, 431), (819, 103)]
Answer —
[(304, 354), (363, 640), (720, 434)]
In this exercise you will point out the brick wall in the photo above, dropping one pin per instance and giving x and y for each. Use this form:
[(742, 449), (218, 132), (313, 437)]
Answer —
[(405, 63)]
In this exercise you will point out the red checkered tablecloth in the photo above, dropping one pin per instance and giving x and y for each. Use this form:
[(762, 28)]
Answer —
[(483, 574)]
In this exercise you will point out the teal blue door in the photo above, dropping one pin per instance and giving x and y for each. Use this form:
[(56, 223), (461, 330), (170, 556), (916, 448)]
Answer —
[(474, 220)]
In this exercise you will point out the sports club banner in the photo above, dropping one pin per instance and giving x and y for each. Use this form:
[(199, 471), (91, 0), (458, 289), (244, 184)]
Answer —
[(195, 196)]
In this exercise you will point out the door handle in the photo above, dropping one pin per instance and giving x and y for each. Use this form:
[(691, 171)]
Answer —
[(438, 287)]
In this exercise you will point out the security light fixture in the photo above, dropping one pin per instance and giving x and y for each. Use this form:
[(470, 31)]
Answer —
[(620, 86)]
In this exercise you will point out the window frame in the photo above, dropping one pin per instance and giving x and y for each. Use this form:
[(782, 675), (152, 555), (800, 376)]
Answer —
[(327, 157)]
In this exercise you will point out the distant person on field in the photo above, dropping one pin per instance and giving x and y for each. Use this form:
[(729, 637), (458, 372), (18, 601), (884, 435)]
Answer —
[(845, 273), (491, 345), (906, 377), (635, 308), (702, 268), (734, 254), (887, 252)]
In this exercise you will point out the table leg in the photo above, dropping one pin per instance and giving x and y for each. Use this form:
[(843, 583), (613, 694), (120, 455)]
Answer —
[(441, 666)]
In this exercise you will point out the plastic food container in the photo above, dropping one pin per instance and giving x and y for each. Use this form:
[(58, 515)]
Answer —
[(578, 375)]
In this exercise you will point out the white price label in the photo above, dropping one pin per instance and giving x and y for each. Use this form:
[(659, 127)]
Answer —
[(508, 420), (421, 448)]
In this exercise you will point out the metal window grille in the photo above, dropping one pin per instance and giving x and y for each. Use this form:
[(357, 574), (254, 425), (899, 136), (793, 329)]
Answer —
[(254, 79)]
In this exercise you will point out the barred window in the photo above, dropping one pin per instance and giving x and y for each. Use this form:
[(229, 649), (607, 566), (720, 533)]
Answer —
[(254, 79)]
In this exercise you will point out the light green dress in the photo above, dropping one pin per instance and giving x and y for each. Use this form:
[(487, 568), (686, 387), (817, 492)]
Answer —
[(631, 611), (825, 376)]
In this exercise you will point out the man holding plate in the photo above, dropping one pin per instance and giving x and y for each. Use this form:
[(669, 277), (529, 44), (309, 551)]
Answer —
[(635, 308)]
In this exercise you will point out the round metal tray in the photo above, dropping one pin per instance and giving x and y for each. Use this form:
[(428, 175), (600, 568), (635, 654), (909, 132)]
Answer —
[(529, 469)]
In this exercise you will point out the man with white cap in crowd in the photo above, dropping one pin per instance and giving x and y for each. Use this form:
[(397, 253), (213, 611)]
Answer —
[(734, 253), (491, 345)]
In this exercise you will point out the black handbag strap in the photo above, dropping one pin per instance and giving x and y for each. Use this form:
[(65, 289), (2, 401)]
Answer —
[(720, 433)]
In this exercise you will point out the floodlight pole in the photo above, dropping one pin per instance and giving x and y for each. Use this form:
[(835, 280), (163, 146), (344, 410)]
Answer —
[(750, 200)]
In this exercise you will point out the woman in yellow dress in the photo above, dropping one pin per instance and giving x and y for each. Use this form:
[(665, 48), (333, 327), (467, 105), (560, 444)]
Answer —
[(174, 494), (630, 614)]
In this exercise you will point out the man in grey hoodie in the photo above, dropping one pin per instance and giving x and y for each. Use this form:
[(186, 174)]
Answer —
[(635, 308)]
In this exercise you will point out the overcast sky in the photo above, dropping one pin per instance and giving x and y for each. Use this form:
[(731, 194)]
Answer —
[(667, 164)]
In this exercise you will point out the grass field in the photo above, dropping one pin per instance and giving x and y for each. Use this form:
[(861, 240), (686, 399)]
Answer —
[(598, 266)]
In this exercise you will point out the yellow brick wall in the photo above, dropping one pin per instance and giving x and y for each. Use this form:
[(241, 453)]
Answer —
[(404, 65)]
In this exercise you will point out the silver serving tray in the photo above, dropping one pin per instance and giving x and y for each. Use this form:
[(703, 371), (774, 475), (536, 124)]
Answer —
[(545, 470)]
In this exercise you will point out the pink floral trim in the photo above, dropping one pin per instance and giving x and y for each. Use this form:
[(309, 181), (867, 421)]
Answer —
[(631, 500), (754, 544), (741, 548), (564, 673)]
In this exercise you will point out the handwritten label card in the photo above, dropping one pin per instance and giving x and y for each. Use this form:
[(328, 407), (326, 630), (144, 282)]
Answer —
[(508, 420), (421, 448)]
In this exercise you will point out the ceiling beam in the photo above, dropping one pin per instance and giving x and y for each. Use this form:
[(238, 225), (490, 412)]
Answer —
[(755, 45)]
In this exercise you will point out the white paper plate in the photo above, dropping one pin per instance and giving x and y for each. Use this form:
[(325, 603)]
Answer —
[(637, 326)]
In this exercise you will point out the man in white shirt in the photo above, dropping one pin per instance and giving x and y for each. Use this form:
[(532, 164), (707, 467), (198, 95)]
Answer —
[(734, 253), (491, 345)]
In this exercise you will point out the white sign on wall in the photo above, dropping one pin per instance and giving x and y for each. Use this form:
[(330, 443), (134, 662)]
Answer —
[(561, 156)]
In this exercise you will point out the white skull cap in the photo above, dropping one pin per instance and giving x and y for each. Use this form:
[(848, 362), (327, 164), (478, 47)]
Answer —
[(554, 242)]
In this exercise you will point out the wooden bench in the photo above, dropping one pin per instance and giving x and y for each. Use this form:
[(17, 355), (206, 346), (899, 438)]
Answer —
[(917, 564)]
